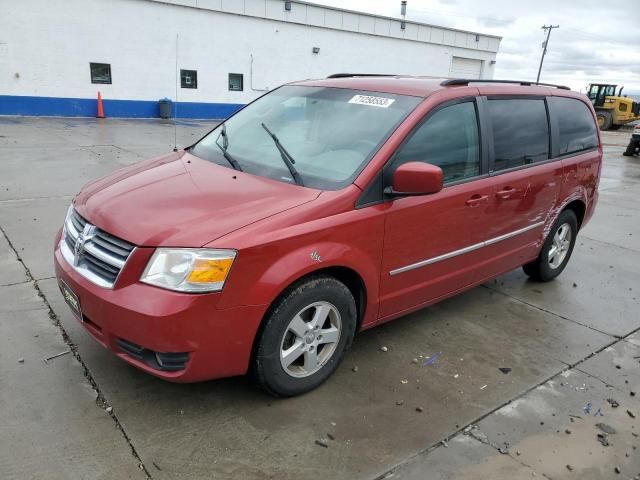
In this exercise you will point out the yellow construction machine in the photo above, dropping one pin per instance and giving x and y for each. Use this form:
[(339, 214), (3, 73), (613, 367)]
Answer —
[(612, 110)]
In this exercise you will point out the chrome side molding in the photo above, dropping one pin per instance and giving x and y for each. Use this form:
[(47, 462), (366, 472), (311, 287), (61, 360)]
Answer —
[(462, 251)]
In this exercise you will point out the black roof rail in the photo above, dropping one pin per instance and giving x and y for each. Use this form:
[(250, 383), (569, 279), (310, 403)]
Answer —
[(467, 81), (347, 75)]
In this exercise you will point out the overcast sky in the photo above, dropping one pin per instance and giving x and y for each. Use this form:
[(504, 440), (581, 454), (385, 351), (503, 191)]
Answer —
[(580, 51)]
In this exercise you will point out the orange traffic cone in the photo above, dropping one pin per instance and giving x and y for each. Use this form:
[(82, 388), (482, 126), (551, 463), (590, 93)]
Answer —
[(100, 112)]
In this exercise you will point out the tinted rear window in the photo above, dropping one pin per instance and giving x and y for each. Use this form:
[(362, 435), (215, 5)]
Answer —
[(577, 129), (520, 132)]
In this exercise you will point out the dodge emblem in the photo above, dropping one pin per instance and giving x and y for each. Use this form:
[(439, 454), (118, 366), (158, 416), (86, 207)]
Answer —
[(83, 237)]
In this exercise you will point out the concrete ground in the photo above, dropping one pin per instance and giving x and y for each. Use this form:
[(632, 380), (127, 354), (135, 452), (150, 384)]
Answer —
[(569, 351)]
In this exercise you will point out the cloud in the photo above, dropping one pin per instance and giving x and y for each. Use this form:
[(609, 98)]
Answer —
[(597, 41), (496, 22)]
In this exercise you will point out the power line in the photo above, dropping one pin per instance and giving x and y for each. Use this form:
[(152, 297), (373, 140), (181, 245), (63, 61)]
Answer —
[(546, 42)]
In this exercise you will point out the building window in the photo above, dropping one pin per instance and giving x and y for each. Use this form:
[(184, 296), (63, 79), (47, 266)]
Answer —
[(188, 78), (236, 82), (100, 72)]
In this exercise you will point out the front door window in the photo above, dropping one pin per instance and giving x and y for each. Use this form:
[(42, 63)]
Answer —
[(447, 139)]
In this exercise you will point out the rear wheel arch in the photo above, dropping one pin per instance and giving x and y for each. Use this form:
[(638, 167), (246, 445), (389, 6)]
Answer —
[(556, 249), (579, 208)]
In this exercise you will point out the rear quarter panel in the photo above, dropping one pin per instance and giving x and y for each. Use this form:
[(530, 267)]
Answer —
[(581, 171)]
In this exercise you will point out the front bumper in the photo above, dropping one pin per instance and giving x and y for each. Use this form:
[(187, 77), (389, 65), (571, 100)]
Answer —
[(136, 321)]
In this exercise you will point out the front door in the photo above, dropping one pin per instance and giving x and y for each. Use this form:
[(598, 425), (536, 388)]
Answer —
[(431, 242)]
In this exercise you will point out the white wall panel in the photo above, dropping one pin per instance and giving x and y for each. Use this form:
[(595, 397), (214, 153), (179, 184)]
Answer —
[(350, 21), (256, 8), (437, 35), (233, 6), (333, 19), (213, 4), (366, 24), (50, 44), (276, 11), (449, 37), (411, 31), (315, 15), (382, 26)]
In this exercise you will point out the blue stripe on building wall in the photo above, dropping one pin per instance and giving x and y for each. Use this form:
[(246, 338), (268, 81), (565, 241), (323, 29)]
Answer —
[(86, 107)]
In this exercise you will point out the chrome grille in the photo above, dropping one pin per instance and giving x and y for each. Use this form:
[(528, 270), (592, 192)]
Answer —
[(94, 253)]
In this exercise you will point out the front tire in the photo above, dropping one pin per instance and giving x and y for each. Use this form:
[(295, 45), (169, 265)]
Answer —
[(305, 336), (556, 250)]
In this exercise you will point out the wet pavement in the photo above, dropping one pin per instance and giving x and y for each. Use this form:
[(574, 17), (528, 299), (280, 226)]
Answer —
[(88, 415)]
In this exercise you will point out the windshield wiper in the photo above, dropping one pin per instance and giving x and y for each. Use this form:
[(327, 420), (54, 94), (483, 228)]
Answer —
[(234, 163), (286, 158)]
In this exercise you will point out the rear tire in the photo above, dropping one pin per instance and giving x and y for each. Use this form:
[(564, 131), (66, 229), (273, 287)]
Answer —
[(556, 250), (305, 336), (605, 119)]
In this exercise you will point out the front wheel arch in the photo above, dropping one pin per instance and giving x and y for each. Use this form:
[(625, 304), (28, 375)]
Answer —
[(352, 280)]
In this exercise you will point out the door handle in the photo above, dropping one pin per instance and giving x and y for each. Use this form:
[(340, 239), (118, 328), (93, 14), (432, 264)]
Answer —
[(505, 193), (476, 200)]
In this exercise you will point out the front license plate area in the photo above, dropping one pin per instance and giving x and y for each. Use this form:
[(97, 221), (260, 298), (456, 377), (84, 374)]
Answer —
[(71, 298)]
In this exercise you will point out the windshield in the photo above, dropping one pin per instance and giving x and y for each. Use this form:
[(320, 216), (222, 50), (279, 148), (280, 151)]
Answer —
[(328, 134)]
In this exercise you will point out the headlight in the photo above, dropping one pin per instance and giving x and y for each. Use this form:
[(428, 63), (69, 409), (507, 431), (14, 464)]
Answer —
[(189, 269)]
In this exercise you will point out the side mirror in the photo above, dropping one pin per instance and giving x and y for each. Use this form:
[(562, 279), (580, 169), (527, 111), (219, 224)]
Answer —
[(415, 178)]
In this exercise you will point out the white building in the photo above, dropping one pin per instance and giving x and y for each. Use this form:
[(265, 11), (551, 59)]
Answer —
[(56, 55)]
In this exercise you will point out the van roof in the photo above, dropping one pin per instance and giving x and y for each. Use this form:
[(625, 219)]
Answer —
[(423, 86)]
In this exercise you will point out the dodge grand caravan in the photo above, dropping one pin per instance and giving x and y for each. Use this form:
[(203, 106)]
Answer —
[(321, 209)]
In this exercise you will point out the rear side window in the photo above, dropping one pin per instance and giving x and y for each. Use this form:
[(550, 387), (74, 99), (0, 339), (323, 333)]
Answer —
[(577, 129), (520, 132), (448, 139)]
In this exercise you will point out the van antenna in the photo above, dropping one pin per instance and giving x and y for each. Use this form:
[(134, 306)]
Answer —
[(175, 108)]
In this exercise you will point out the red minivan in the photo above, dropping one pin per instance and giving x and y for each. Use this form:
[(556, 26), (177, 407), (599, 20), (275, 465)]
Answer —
[(321, 209)]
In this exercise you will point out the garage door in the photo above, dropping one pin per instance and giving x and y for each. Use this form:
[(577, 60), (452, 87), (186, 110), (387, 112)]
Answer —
[(465, 67)]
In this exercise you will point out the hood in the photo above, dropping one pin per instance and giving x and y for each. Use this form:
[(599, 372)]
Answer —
[(179, 200)]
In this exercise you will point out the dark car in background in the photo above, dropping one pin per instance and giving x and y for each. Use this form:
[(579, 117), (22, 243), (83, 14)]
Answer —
[(634, 143)]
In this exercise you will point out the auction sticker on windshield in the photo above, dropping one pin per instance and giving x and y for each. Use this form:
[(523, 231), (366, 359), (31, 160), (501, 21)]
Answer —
[(372, 101)]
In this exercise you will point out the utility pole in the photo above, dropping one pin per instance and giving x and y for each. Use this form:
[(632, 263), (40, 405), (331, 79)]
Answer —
[(546, 42)]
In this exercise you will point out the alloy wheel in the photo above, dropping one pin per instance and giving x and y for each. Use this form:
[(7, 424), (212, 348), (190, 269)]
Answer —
[(310, 340), (560, 246)]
